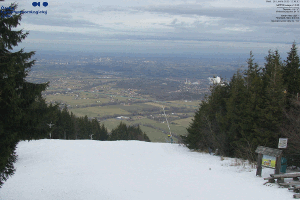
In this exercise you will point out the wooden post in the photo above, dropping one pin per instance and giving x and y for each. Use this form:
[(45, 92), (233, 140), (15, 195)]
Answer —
[(278, 165), (259, 167), (277, 169)]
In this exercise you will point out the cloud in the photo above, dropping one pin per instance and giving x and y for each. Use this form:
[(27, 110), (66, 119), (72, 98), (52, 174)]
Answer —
[(192, 25), (196, 10), (59, 20), (174, 21), (110, 8)]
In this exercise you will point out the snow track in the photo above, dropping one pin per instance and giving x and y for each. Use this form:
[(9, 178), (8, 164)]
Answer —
[(129, 170)]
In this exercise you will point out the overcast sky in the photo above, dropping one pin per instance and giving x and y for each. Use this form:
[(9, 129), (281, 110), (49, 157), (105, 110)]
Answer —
[(157, 26)]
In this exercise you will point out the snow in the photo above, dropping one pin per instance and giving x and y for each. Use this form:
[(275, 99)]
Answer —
[(130, 170)]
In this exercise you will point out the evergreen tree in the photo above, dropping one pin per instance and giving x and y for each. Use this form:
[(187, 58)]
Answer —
[(81, 129), (246, 113), (75, 126), (57, 130), (146, 138), (236, 116), (119, 133), (67, 127), (250, 112), (96, 129), (103, 133), (273, 100), (207, 129), (52, 118), (291, 73), (17, 97), (35, 127), (122, 132), (291, 129)]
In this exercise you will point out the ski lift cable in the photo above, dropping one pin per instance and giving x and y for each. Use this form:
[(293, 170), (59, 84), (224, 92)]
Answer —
[(167, 121)]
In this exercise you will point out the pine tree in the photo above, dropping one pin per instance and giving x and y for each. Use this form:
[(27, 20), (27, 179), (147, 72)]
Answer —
[(67, 127), (273, 100), (207, 129), (290, 126), (122, 132), (96, 129), (146, 138), (35, 127), (57, 130), (103, 133), (16, 95), (119, 133), (236, 116), (291, 73), (75, 126), (52, 117), (254, 113)]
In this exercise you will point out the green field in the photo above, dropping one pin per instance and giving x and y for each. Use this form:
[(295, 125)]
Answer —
[(186, 103), (113, 123), (175, 129), (154, 104), (137, 107), (68, 99), (184, 122), (154, 134), (98, 111)]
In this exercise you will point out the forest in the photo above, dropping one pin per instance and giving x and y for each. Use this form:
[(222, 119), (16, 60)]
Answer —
[(255, 108)]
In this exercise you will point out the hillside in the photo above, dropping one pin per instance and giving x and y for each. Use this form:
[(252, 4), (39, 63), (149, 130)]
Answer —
[(129, 170)]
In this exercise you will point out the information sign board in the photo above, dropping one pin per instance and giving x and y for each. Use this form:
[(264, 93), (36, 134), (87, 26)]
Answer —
[(282, 144), (268, 157), (268, 161)]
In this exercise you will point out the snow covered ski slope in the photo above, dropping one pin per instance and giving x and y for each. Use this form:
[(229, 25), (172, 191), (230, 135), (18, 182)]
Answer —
[(129, 170)]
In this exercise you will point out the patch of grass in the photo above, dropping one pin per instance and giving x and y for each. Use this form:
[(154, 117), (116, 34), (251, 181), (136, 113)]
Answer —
[(154, 134), (186, 103), (175, 129), (98, 111), (73, 100), (136, 107), (184, 122), (154, 104), (113, 123)]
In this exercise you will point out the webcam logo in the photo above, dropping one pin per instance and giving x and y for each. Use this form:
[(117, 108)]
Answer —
[(45, 4)]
